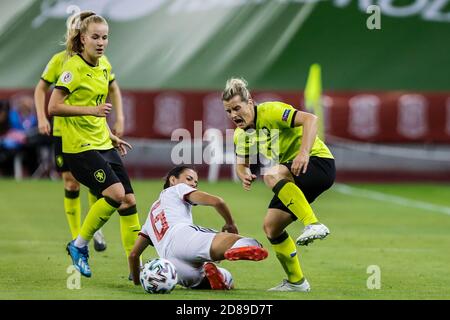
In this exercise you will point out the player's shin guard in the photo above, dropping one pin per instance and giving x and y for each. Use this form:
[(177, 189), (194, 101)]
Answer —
[(92, 198), (97, 216), (72, 208), (129, 228), (286, 252), (294, 199)]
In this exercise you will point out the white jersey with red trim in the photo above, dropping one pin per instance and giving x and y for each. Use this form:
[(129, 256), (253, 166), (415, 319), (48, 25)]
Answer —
[(171, 209)]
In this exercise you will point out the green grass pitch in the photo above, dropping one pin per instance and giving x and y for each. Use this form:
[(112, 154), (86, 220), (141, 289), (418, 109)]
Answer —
[(411, 245)]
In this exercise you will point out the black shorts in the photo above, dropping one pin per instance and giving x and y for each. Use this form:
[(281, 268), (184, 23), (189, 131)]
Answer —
[(61, 163), (98, 169), (319, 177)]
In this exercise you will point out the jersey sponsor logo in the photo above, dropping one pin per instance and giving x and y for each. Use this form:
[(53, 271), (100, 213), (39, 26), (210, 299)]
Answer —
[(89, 75), (100, 175), (66, 77), (285, 114)]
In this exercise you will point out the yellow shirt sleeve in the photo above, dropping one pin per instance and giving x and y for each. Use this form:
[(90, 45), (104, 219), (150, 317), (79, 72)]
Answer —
[(281, 114), (69, 79), (53, 69)]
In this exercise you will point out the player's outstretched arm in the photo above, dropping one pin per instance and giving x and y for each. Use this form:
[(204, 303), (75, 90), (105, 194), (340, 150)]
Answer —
[(206, 199), (133, 259), (57, 107)]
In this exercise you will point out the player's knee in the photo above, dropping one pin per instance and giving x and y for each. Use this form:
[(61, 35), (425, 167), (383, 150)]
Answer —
[(116, 192), (270, 230), (71, 184), (274, 175), (129, 200)]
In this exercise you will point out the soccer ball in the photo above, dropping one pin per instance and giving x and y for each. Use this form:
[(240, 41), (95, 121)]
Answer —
[(158, 276)]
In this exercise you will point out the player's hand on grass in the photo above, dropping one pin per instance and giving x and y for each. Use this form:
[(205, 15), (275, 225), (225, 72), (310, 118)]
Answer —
[(44, 127), (102, 110), (300, 164), (230, 227), (121, 145), (247, 181)]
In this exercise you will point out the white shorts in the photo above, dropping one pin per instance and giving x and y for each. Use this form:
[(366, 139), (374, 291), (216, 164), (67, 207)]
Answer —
[(188, 249)]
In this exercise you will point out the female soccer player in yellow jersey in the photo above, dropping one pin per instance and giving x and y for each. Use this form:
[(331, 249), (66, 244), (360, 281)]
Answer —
[(298, 167), (72, 203), (88, 144)]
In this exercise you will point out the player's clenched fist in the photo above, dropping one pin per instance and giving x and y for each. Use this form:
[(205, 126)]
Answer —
[(247, 181)]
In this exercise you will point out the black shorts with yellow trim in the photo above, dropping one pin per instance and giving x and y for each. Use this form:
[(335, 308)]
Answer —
[(318, 178), (61, 163), (98, 169)]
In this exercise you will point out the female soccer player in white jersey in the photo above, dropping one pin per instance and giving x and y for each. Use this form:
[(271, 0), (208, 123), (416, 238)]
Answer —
[(191, 248)]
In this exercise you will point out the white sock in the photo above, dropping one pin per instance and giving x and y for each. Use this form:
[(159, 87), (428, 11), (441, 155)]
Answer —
[(80, 242), (227, 276), (245, 242)]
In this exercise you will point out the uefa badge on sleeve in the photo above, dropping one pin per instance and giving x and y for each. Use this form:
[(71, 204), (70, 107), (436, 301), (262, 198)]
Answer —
[(66, 77)]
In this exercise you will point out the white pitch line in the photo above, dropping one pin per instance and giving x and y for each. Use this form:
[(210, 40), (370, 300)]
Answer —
[(375, 195)]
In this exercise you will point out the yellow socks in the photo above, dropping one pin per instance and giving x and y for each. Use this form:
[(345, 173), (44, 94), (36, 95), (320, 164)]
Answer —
[(98, 215), (294, 199), (92, 198), (72, 208), (286, 252), (129, 228)]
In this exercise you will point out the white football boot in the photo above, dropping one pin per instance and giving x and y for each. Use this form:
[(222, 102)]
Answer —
[(311, 233), (287, 286), (99, 241)]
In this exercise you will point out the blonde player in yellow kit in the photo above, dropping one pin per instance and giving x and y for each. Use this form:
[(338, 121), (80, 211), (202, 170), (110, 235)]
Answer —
[(298, 167), (88, 144), (72, 203)]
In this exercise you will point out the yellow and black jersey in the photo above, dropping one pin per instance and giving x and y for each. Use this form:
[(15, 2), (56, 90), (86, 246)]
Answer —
[(51, 75), (275, 137), (85, 85)]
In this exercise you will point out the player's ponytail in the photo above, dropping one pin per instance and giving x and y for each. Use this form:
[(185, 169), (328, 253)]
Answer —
[(77, 25), (175, 172), (236, 87)]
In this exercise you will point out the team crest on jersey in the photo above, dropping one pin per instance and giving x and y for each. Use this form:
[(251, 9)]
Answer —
[(59, 161), (105, 73), (100, 175), (66, 77)]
